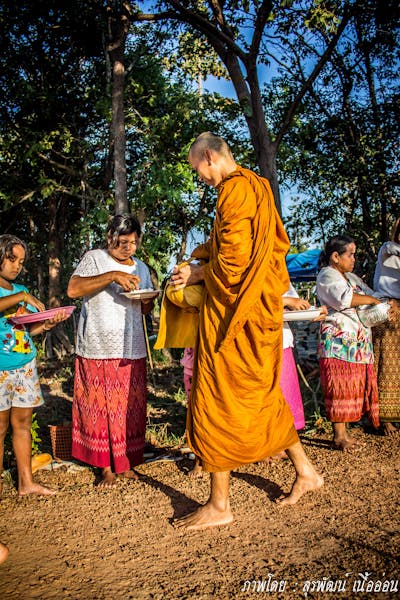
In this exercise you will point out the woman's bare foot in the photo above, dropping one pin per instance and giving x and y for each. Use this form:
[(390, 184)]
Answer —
[(389, 429), (36, 488), (204, 517), (304, 483), (108, 479), (128, 475), (347, 444), (342, 440), (3, 552)]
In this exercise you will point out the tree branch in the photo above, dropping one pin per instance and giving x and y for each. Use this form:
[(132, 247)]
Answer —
[(219, 40), (308, 83), (261, 19)]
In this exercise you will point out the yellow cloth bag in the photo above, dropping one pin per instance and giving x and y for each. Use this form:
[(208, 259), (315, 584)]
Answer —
[(179, 317)]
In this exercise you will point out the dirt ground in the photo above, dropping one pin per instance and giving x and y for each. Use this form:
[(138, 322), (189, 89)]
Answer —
[(120, 544)]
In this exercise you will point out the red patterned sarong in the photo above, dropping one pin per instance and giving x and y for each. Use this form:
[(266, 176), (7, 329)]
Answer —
[(109, 412), (350, 391), (291, 388)]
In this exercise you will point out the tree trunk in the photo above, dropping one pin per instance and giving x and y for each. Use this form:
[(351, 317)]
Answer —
[(250, 100), (57, 342), (382, 166), (55, 242), (118, 131), (119, 23)]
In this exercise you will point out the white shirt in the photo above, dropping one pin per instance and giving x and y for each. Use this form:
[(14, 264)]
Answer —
[(288, 339), (110, 325), (387, 271)]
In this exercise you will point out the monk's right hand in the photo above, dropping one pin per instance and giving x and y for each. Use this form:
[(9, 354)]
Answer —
[(128, 282)]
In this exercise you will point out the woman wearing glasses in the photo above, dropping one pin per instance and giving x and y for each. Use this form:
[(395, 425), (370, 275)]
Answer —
[(109, 404)]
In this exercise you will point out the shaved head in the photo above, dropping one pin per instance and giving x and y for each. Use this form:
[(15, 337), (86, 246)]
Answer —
[(210, 141)]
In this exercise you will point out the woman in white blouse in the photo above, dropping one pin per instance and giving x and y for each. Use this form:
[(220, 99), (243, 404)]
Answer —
[(387, 336), (109, 404), (345, 349)]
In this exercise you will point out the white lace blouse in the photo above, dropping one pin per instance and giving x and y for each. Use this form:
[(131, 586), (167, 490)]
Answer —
[(110, 325)]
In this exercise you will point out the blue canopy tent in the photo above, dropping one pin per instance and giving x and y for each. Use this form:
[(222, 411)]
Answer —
[(304, 265)]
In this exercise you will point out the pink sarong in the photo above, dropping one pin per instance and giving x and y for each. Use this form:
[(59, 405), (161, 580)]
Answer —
[(109, 412), (291, 388)]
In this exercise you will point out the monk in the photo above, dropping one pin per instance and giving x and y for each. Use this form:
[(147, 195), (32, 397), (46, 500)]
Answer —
[(237, 414)]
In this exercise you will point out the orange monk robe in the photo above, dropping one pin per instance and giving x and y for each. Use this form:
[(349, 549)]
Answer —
[(237, 414)]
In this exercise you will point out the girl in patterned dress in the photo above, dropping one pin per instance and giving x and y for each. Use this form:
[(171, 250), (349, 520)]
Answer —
[(19, 383)]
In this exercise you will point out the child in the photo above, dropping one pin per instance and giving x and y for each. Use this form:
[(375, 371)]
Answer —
[(19, 383)]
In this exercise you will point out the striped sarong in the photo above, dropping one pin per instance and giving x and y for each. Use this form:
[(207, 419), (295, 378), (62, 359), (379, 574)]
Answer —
[(350, 391)]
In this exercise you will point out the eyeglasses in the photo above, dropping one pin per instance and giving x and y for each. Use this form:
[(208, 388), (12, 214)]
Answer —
[(126, 243)]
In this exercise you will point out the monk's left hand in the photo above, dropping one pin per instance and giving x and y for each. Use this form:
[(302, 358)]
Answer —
[(186, 274)]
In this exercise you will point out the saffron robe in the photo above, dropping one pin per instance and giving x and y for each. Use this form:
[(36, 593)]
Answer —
[(237, 414)]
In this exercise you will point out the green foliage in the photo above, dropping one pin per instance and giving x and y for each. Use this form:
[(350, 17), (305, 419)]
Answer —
[(317, 424), (322, 16), (35, 434), (180, 397), (55, 152), (159, 435), (340, 155)]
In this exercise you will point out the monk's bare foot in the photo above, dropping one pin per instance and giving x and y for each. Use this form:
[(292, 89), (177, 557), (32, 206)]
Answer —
[(197, 470), (347, 444), (108, 479), (275, 457), (36, 488), (129, 475), (3, 552), (311, 480), (280, 456), (265, 461), (389, 429), (204, 517)]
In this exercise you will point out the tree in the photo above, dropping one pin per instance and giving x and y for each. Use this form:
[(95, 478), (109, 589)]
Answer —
[(163, 117), (48, 110), (343, 150), (246, 36)]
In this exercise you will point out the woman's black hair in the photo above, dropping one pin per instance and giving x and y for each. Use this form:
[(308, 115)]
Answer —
[(337, 243), (124, 224), (7, 243)]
